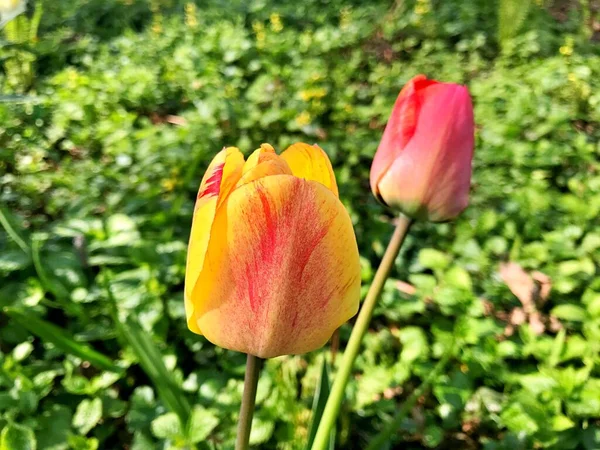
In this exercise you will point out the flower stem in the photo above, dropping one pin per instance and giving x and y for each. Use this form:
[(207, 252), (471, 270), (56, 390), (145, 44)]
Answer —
[(253, 366), (361, 326)]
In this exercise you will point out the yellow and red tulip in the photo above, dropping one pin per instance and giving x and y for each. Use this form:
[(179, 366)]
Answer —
[(273, 265), (423, 164)]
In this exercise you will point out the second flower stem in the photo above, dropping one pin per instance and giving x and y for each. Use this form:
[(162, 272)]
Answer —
[(361, 326), (253, 366)]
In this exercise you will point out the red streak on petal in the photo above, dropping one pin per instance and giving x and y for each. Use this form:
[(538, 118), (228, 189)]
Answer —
[(408, 107), (213, 184), (268, 242)]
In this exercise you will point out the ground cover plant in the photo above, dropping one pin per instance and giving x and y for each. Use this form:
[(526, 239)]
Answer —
[(110, 113)]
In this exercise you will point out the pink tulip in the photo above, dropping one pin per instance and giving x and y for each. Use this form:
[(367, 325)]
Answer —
[(423, 164)]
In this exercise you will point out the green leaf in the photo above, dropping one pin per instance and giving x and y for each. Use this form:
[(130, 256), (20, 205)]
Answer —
[(87, 415), (6, 222), (13, 260), (511, 17), (202, 422), (17, 437), (167, 426), (60, 338), (433, 436), (591, 438), (82, 443), (22, 351), (557, 348), (433, 259), (262, 430), (151, 361), (569, 312), (562, 423), (414, 344), (54, 426)]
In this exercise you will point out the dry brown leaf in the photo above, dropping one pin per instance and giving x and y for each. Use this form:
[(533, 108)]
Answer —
[(517, 316), (536, 323), (520, 283), (406, 288), (545, 285)]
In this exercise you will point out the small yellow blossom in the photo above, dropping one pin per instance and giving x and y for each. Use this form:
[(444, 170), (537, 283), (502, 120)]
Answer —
[(259, 30), (566, 50), (314, 93), (168, 184), (422, 7), (191, 17), (303, 119), (276, 24)]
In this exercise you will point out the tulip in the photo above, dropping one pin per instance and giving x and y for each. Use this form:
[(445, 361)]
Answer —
[(423, 164), (9, 9), (273, 264)]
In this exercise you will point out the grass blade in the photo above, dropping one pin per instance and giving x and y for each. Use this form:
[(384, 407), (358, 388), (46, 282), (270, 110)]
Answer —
[(49, 332), (151, 361), (10, 230), (319, 401)]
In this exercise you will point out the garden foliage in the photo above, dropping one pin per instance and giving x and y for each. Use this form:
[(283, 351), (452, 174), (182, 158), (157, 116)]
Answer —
[(101, 152)]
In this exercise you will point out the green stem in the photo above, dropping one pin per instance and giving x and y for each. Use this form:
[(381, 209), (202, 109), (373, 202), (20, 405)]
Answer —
[(253, 365), (361, 326), (384, 436)]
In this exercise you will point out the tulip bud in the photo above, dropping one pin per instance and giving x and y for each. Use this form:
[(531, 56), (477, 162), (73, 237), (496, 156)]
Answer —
[(273, 265), (423, 164)]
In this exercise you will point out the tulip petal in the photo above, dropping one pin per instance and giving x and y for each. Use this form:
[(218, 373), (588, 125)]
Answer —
[(434, 169), (400, 128), (311, 163), (282, 269), (220, 177), (262, 163)]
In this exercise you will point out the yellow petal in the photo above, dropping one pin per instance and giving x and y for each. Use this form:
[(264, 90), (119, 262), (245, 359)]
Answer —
[(312, 163), (282, 269), (262, 163), (258, 156), (220, 177)]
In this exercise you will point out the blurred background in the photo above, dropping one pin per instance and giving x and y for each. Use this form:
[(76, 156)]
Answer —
[(110, 112)]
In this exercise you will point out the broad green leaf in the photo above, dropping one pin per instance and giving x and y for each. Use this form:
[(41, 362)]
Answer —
[(6, 220), (557, 348), (433, 436), (17, 437), (82, 443), (13, 260), (433, 259), (202, 423), (262, 430), (87, 415), (54, 426), (569, 312), (167, 426), (414, 344), (591, 438), (60, 338), (22, 351), (151, 361)]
